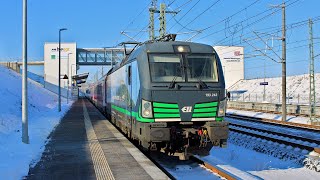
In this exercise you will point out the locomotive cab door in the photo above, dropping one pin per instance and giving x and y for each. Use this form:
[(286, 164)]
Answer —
[(129, 100)]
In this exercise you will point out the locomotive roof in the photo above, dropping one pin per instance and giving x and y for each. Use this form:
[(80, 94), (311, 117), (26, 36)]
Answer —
[(167, 47), (164, 47)]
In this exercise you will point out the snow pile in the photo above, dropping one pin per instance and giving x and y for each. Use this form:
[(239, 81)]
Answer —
[(16, 156), (258, 164), (298, 89), (281, 151)]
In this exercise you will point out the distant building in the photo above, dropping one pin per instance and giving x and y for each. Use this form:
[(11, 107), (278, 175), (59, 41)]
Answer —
[(68, 66), (232, 60)]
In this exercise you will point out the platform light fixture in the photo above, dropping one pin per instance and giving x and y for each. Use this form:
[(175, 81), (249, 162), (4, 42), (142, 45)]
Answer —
[(68, 82)]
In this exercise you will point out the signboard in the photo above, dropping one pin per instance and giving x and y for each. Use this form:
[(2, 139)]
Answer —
[(264, 83), (55, 53), (74, 92), (232, 63)]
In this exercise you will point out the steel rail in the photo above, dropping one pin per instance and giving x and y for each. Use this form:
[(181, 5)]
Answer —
[(221, 172), (298, 126), (280, 141), (296, 137)]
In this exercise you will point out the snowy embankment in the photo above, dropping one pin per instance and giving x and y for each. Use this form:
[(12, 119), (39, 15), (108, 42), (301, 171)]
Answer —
[(298, 88), (15, 156)]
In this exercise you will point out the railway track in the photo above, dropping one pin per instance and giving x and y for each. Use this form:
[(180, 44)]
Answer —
[(287, 139), (227, 174), (199, 168), (305, 134), (297, 126), (270, 137), (214, 169), (298, 141), (182, 169)]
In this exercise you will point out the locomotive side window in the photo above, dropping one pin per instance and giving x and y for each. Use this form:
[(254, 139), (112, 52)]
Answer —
[(202, 67), (165, 67)]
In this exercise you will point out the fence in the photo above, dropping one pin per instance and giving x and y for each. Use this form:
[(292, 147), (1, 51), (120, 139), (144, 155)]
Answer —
[(302, 99), (272, 107), (12, 65)]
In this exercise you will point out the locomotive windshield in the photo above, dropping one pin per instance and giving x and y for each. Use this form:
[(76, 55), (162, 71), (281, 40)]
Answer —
[(202, 67), (197, 67), (164, 67)]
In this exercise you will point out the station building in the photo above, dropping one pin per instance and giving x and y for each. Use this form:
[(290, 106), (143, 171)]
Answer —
[(72, 58), (68, 66)]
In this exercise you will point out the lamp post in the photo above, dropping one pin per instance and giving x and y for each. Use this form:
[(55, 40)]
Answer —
[(63, 29), (68, 78), (72, 69), (25, 136)]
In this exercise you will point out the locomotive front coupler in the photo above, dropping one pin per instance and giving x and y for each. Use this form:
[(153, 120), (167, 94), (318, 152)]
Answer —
[(190, 140)]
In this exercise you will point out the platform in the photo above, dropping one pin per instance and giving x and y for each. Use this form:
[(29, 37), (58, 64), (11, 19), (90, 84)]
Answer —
[(87, 146)]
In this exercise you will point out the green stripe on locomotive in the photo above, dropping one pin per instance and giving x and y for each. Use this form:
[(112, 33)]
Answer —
[(170, 110)]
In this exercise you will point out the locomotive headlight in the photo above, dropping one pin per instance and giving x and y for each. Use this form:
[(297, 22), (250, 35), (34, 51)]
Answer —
[(147, 105), (146, 110), (181, 49), (222, 108), (146, 113)]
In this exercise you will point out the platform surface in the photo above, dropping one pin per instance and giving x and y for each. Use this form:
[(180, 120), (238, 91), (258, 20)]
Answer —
[(87, 146)]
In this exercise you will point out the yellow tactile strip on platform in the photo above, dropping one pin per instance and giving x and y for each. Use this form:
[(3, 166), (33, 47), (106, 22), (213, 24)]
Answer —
[(145, 163), (101, 166)]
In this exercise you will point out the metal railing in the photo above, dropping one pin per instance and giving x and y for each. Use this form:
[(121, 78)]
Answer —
[(272, 107), (301, 99)]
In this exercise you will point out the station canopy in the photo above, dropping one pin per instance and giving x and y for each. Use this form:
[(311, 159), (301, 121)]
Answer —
[(80, 78)]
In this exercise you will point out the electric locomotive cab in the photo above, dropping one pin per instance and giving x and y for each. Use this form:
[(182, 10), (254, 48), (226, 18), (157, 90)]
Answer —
[(185, 95)]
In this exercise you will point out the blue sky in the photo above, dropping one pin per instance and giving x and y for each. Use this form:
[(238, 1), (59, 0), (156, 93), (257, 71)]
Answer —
[(97, 23)]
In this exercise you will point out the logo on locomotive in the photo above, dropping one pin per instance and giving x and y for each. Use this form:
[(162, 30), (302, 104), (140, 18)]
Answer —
[(186, 109)]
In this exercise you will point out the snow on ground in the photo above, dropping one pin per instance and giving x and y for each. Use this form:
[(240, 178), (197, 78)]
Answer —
[(298, 89), (191, 173), (292, 174), (35, 77), (293, 119), (15, 156), (257, 164)]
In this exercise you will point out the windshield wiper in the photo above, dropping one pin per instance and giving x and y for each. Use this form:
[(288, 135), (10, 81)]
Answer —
[(173, 82), (201, 84)]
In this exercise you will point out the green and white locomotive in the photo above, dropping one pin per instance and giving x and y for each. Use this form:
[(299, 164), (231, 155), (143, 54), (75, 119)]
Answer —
[(164, 93)]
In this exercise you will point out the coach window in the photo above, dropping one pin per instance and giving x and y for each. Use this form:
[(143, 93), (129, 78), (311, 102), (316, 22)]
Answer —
[(165, 67)]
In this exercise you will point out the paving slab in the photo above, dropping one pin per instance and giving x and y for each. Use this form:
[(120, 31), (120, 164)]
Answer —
[(87, 146)]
